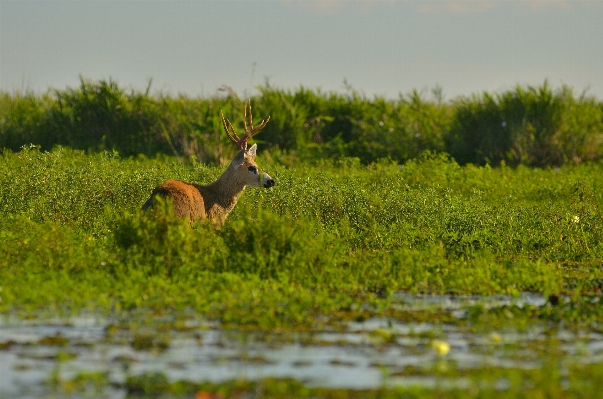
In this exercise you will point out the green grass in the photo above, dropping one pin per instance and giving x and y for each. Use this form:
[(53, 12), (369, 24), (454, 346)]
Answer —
[(534, 126), (329, 244), (366, 205), (321, 244)]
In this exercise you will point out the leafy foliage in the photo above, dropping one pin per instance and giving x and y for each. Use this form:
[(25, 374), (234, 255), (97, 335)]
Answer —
[(322, 239), (533, 126), (366, 205)]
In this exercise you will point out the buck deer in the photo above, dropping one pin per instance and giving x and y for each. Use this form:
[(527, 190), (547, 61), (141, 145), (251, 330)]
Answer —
[(216, 200)]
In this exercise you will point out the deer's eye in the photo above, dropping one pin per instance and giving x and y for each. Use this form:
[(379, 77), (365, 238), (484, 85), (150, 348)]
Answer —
[(252, 169)]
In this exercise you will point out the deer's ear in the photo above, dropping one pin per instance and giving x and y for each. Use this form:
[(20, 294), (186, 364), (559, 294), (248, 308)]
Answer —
[(252, 150), (239, 158)]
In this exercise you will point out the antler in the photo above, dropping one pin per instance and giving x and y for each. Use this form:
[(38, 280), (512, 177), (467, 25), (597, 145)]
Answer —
[(232, 134)]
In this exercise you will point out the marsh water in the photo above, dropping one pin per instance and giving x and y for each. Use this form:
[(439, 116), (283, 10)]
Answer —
[(36, 353)]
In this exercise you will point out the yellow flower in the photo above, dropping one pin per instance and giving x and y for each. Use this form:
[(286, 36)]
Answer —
[(441, 347)]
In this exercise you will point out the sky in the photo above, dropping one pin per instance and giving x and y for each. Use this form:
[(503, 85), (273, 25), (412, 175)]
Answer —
[(380, 48)]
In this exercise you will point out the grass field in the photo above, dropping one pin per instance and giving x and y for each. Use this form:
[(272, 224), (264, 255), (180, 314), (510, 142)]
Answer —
[(338, 240), (361, 231), (329, 245)]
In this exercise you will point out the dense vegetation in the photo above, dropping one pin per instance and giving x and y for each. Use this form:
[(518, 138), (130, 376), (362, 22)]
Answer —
[(320, 240), (534, 126), (360, 227), (367, 204)]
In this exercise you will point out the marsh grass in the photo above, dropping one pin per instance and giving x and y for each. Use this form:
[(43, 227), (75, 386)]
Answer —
[(326, 239), (535, 126), (366, 206)]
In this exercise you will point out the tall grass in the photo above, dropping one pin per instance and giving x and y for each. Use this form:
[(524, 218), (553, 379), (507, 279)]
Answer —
[(367, 201), (534, 126), (322, 238)]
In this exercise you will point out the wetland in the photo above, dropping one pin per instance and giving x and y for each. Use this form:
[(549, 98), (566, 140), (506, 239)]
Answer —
[(353, 277)]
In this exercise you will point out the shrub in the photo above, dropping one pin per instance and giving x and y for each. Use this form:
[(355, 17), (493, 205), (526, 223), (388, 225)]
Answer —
[(534, 126)]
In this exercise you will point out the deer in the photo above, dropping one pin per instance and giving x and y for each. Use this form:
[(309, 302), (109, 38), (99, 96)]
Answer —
[(216, 200)]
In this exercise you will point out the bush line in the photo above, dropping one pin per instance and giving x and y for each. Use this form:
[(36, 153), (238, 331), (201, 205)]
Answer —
[(532, 126)]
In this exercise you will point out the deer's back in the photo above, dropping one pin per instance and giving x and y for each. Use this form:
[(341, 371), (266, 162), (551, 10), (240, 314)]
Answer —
[(186, 197)]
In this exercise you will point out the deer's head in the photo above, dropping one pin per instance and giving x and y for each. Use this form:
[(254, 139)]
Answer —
[(244, 163)]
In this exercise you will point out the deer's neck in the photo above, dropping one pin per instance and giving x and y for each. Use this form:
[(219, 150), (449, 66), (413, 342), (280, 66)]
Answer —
[(221, 196)]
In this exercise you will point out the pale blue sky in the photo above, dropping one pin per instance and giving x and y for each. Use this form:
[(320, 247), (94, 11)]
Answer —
[(380, 47)]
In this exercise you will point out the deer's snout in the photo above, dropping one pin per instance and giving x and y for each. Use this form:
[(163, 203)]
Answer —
[(268, 181)]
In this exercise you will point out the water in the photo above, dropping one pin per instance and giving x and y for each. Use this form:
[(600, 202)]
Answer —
[(367, 354)]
